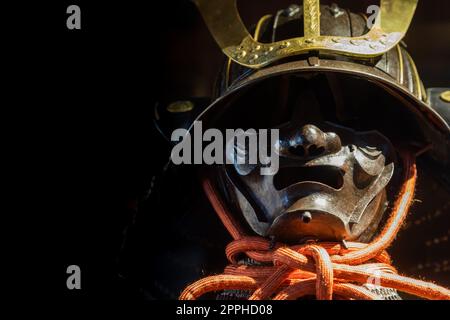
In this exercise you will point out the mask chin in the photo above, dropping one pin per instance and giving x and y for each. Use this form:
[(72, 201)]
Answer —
[(301, 225), (298, 225)]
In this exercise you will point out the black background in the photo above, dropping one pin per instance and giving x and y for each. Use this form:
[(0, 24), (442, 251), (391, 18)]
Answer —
[(84, 104)]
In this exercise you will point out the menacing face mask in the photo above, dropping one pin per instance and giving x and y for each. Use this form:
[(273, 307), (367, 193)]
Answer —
[(330, 184)]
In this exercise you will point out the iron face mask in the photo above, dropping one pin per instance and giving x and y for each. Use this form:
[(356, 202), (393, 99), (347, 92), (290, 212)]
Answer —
[(330, 184)]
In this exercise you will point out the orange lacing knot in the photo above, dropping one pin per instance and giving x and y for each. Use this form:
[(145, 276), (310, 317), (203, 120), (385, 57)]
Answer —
[(325, 269)]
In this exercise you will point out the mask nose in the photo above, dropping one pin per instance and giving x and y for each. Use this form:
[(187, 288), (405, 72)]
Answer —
[(309, 141)]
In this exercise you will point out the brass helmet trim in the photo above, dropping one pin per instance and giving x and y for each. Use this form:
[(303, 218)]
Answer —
[(225, 24)]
